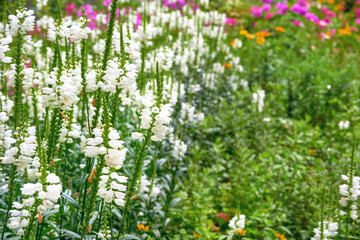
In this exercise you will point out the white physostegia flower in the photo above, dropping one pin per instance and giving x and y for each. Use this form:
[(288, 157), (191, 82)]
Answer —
[(22, 22), (237, 223), (329, 230), (349, 194), (112, 187), (4, 47), (258, 98), (161, 119), (344, 125)]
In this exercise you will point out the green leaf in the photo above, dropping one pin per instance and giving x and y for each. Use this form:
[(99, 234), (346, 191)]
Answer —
[(70, 199)]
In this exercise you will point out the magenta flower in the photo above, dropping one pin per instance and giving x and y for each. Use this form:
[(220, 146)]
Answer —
[(70, 8), (269, 15), (266, 7), (311, 17), (357, 11), (281, 8), (299, 9), (322, 23), (107, 3), (230, 21), (267, 1), (138, 20), (256, 11), (357, 21), (296, 23)]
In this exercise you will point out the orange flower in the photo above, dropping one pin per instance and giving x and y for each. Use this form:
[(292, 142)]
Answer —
[(279, 29), (260, 40), (227, 65), (240, 231), (331, 1), (89, 229), (233, 43), (92, 174), (345, 31), (312, 151), (142, 227), (133, 197), (40, 218), (250, 36), (280, 236), (262, 34), (196, 235)]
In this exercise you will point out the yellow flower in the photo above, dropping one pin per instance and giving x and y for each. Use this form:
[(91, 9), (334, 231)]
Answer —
[(240, 231), (142, 227), (260, 40), (196, 235), (250, 36), (280, 236), (279, 29), (243, 32)]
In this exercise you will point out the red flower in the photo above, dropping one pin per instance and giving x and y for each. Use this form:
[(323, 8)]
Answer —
[(223, 216)]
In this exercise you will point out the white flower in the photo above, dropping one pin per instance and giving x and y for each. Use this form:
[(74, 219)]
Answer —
[(52, 178), (137, 135)]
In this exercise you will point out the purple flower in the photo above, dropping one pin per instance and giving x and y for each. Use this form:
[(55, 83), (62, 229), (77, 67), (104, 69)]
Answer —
[(357, 11), (299, 9), (281, 8), (267, 1), (256, 11), (266, 7), (311, 17)]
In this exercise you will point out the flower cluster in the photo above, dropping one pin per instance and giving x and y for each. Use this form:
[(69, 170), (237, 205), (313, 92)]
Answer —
[(326, 230), (350, 191)]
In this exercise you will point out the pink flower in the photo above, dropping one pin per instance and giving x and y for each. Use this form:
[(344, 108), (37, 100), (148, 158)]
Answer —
[(297, 23), (70, 8), (256, 11), (138, 20), (357, 11), (230, 21), (269, 15), (322, 23), (357, 21), (107, 3)]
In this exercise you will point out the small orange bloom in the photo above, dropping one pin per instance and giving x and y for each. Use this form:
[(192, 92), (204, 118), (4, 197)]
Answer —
[(312, 151), (63, 116), (52, 162), (250, 36), (260, 40), (280, 236), (141, 227), (92, 174), (345, 31), (262, 34), (93, 102), (279, 29), (227, 65), (240, 231), (196, 235), (89, 229), (40, 218), (331, 1), (233, 43), (133, 197)]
